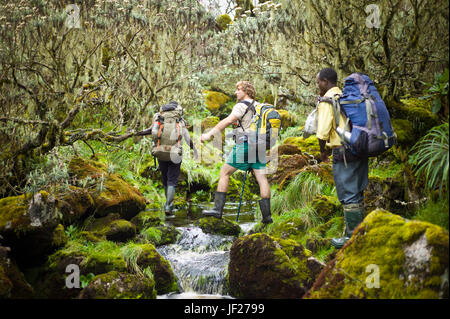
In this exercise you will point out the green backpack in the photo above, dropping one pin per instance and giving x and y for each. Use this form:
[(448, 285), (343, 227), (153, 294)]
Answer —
[(168, 126)]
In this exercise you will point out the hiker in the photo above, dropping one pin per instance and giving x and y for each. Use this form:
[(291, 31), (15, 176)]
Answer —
[(239, 156), (350, 172), (168, 130)]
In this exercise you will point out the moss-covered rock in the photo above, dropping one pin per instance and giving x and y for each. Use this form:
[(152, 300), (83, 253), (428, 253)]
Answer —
[(115, 285), (406, 136), (112, 228), (411, 258), (209, 122), (147, 219), (161, 235), (326, 206), (74, 204), (262, 266), (111, 193), (286, 119), (219, 226), (309, 145), (165, 280), (214, 100), (416, 111), (12, 282), (287, 165), (27, 225)]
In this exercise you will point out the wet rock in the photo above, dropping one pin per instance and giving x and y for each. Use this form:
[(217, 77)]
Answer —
[(115, 285), (111, 194), (388, 257), (220, 226), (161, 235), (112, 228), (165, 280), (262, 266)]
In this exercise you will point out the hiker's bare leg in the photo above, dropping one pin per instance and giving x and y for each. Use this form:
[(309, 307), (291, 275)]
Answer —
[(224, 179), (264, 186)]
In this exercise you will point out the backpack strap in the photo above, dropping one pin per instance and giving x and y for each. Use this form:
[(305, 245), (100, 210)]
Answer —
[(250, 105)]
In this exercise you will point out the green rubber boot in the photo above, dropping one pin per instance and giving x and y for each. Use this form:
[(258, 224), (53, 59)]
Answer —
[(353, 216), (170, 194), (219, 203)]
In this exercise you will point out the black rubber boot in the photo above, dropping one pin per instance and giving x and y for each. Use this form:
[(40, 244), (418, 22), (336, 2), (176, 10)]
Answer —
[(219, 203), (353, 216), (170, 194), (264, 205)]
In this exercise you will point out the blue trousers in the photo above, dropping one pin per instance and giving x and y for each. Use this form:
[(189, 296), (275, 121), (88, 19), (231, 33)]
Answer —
[(351, 181)]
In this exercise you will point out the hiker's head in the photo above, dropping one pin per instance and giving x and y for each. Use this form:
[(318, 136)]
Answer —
[(326, 79), (245, 90)]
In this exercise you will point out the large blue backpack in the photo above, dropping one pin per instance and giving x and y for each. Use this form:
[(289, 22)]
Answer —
[(368, 131)]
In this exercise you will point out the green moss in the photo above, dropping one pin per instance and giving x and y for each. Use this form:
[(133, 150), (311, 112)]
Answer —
[(13, 213), (223, 21), (59, 236), (218, 226), (115, 285), (326, 206), (381, 240), (286, 119), (214, 100), (406, 135), (309, 145)]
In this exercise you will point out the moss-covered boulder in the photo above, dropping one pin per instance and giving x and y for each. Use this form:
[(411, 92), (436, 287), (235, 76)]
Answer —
[(221, 226), (111, 194), (28, 224), (115, 285), (161, 235), (416, 111), (165, 280), (147, 219), (309, 145), (214, 100), (74, 204), (12, 281), (209, 123), (292, 228), (286, 119), (326, 206), (287, 149), (287, 164), (406, 136), (262, 266), (388, 257), (112, 228)]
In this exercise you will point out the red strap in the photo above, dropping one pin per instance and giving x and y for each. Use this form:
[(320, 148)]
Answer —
[(159, 134)]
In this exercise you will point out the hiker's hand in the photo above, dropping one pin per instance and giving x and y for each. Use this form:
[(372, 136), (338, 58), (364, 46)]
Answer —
[(324, 157), (205, 137)]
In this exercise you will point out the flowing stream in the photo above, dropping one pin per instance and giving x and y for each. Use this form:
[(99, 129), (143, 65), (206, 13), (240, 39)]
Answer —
[(200, 260)]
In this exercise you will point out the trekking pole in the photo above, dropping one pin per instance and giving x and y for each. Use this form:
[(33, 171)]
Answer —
[(240, 199)]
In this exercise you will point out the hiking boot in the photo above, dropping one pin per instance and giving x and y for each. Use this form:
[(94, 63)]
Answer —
[(219, 203), (353, 216), (264, 205), (170, 194)]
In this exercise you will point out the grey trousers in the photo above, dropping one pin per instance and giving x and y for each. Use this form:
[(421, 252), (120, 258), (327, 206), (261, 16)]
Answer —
[(351, 181)]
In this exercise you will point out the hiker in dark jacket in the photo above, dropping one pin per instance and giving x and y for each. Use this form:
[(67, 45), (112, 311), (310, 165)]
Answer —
[(350, 176), (170, 166)]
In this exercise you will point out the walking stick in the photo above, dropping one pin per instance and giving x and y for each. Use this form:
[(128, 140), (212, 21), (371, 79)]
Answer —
[(240, 199)]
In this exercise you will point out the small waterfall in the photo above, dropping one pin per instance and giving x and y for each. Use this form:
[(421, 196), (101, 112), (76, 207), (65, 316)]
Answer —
[(199, 260)]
